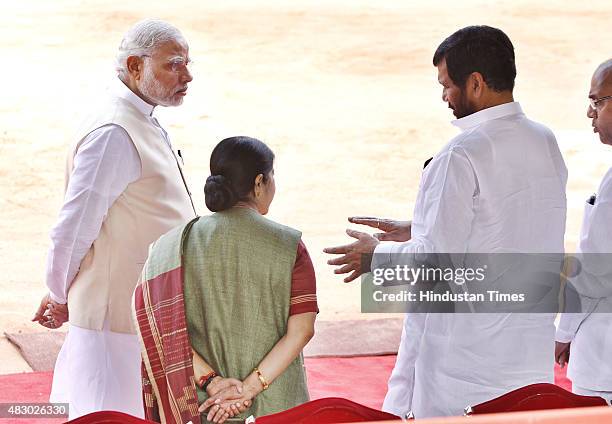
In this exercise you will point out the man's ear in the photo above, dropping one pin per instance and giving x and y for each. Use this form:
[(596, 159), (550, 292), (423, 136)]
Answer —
[(134, 66), (258, 185), (477, 84)]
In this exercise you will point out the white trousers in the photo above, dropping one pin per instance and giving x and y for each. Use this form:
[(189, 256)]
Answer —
[(98, 371), (587, 392)]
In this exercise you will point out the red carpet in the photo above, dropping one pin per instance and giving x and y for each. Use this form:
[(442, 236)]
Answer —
[(360, 379), (364, 379)]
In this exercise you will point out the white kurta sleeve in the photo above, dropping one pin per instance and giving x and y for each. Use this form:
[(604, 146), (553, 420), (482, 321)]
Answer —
[(568, 326), (444, 211), (104, 164), (594, 280)]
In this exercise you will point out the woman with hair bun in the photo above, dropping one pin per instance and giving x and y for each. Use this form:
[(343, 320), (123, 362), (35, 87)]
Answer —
[(248, 297)]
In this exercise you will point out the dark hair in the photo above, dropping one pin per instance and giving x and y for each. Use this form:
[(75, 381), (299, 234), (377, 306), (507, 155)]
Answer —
[(480, 49), (234, 164)]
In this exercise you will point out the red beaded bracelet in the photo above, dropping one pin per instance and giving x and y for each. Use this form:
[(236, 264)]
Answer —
[(205, 380)]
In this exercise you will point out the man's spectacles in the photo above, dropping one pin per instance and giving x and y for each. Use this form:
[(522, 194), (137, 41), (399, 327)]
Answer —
[(595, 102), (177, 64)]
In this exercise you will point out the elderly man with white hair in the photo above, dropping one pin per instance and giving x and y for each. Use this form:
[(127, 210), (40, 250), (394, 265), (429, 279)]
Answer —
[(124, 189), (585, 338)]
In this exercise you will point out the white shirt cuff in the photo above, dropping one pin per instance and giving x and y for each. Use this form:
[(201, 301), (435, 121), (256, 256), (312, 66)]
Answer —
[(57, 299), (564, 336), (382, 255)]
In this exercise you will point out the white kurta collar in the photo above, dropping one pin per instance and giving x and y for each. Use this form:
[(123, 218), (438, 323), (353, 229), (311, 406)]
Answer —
[(122, 91), (495, 112)]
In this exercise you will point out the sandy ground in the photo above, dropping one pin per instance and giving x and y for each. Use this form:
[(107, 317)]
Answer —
[(342, 90)]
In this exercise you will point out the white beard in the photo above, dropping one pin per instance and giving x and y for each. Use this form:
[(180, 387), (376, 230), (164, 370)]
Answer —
[(153, 90)]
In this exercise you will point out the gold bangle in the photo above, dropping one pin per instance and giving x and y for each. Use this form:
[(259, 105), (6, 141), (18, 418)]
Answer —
[(262, 379)]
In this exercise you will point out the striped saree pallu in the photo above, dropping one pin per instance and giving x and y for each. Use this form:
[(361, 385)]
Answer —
[(169, 391)]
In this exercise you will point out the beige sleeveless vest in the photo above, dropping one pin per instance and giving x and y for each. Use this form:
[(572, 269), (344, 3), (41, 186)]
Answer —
[(148, 208)]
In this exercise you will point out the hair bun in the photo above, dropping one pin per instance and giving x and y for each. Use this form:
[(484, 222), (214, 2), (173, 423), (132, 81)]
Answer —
[(218, 193)]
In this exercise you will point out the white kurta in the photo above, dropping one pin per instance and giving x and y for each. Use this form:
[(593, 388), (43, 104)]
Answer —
[(590, 332), (498, 187), (95, 370)]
